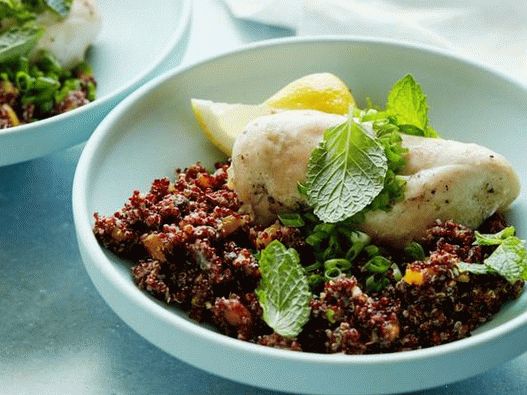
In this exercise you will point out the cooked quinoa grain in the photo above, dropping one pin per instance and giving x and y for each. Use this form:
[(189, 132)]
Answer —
[(192, 247)]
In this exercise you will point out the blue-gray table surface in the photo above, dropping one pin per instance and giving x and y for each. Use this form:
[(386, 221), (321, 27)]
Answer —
[(56, 333)]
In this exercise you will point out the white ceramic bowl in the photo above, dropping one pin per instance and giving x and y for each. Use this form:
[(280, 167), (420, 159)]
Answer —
[(138, 40), (153, 131)]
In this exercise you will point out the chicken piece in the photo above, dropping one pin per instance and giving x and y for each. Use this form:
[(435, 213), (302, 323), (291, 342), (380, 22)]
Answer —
[(445, 179), (270, 157), (69, 38)]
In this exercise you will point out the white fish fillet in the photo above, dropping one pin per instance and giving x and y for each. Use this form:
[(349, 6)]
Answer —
[(68, 39), (445, 179)]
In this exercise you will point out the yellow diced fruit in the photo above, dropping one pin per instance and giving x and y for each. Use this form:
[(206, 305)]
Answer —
[(13, 118), (413, 277), (155, 246)]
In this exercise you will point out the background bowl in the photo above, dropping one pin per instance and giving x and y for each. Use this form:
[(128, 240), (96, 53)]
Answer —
[(137, 42), (153, 131)]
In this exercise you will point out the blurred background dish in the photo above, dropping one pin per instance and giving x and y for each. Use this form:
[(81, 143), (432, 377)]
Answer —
[(136, 43), (468, 103)]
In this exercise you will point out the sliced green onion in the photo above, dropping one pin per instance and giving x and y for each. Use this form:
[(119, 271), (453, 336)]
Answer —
[(415, 251), (372, 250), (314, 280), (333, 273), (46, 106), (330, 315), (315, 239), (91, 91), (359, 240), (313, 267), (46, 83), (24, 81), (324, 228), (375, 284), (50, 64), (397, 275), (345, 231), (333, 249), (292, 220), (23, 64), (377, 264), (340, 263), (311, 217), (84, 68)]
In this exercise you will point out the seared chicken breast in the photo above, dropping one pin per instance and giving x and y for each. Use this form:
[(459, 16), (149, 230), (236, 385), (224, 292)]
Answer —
[(270, 157), (445, 179)]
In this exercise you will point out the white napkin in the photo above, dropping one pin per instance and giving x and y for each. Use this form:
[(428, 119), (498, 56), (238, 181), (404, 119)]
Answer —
[(494, 32)]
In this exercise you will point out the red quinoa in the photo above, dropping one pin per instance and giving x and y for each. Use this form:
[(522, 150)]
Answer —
[(193, 248)]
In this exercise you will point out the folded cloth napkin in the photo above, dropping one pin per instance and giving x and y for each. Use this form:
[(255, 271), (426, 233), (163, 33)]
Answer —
[(494, 32)]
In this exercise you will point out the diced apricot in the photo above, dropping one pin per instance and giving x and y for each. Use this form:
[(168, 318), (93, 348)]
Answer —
[(155, 246), (413, 277), (11, 114)]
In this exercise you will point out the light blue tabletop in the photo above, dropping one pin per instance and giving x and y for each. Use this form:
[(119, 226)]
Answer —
[(57, 335)]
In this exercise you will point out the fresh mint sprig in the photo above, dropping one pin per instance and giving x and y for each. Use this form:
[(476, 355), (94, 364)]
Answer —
[(407, 104), (509, 259), (283, 291), (345, 172), (18, 41)]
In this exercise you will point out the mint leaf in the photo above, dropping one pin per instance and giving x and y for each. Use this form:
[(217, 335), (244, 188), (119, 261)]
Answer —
[(475, 268), (283, 291), (509, 260), (494, 239), (407, 103), (60, 7), (345, 172), (18, 41)]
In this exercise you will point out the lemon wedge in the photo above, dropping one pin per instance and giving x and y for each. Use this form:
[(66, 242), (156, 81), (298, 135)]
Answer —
[(222, 122), (322, 91)]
